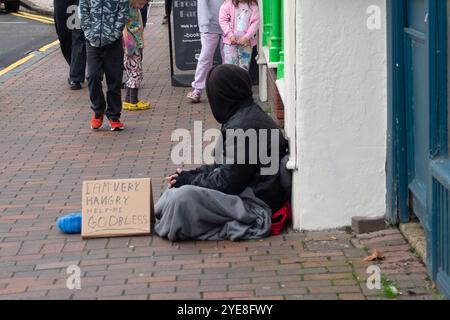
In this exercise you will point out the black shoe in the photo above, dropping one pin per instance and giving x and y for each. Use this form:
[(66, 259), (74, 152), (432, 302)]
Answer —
[(75, 85), (165, 20)]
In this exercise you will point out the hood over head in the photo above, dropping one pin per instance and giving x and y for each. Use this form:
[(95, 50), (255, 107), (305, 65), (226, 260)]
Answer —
[(229, 88)]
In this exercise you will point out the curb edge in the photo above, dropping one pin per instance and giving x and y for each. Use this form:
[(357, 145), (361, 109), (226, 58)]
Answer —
[(32, 7)]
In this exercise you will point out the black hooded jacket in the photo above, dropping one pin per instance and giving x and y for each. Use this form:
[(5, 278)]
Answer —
[(229, 91)]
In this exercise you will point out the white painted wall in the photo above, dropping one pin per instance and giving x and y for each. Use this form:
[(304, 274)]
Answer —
[(341, 113)]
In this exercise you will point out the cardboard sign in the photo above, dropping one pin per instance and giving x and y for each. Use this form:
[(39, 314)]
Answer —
[(115, 208)]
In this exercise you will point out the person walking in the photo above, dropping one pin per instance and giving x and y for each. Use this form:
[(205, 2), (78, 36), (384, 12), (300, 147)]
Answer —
[(72, 41), (211, 38), (103, 23)]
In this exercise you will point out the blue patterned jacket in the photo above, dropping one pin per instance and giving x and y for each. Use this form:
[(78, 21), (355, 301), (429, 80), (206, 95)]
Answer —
[(103, 21)]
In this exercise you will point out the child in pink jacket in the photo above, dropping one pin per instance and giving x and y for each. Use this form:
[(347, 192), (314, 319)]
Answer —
[(239, 20)]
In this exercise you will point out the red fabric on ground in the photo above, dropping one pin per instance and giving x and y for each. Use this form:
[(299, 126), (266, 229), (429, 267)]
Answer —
[(280, 219)]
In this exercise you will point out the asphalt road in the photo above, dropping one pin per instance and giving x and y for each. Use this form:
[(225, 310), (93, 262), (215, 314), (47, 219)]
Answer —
[(19, 36)]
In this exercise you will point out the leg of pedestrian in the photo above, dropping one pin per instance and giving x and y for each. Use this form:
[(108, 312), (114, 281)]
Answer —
[(64, 34), (168, 9), (95, 78), (245, 57), (231, 54), (113, 67), (78, 60), (210, 41), (133, 67)]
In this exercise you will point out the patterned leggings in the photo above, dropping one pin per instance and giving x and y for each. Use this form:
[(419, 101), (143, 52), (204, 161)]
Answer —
[(237, 55), (133, 67)]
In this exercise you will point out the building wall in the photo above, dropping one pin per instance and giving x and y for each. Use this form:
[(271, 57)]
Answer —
[(341, 112)]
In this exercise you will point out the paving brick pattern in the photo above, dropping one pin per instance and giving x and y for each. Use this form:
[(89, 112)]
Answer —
[(47, 150)]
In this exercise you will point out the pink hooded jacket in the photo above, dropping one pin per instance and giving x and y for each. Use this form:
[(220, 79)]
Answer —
[(227, 17)]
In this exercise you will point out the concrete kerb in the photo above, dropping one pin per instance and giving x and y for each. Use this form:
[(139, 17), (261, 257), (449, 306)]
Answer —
[(37, 56), (27, 4)]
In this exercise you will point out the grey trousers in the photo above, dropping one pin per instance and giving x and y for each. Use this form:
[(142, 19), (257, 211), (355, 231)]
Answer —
[(194, 213)]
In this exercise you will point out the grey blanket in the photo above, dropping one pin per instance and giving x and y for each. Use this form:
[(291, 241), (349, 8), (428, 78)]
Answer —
[(194, 213)]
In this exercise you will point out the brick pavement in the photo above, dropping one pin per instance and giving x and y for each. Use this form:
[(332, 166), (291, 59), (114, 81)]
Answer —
[(47, 150)]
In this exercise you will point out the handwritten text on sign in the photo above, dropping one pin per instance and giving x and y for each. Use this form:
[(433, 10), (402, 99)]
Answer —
[(116, 207)]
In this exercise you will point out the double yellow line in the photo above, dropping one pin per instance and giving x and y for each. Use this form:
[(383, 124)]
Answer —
[(30, 56), (35, 17), (27, 58), (16, 64)]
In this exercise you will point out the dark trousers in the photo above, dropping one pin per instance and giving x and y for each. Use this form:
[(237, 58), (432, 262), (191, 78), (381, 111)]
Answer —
[(72, 42), (78, 57), (144, 13), (64, 34), (108, 61), (168, 7)]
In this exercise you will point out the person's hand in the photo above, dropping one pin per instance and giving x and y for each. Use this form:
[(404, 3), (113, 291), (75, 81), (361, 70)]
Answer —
[(171, 180), (233, 39), (244, 41)]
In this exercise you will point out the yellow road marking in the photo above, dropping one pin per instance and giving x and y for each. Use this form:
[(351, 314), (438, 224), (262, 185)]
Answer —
[(27, 58), (36, 16), (31, 18), (16, 64), (31, 55), (48, 46)]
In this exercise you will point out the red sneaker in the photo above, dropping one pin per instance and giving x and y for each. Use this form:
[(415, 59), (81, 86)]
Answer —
[(116, 125), (96, 121)]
